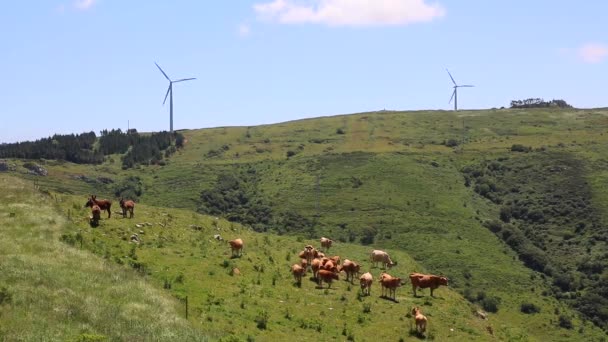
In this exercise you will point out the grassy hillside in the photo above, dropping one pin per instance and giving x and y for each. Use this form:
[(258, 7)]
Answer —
[(398, 180), (179, 253), (51, 291)]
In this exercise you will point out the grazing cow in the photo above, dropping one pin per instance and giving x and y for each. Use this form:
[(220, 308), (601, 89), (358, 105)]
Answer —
[(381, 256), (420, 320), (297, 272), (335, 259), (329, 266), (308, 253), (423, 281), (328, 277), (351, 269), (316, 266), (103, 204), (326, 243), (236, 246), (304, 264), (127, 206), (366, 283), (95, 215), (391, 284), (319, 254)]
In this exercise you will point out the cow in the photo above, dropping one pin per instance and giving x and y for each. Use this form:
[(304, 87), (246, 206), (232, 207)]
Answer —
[(326, 243), (95, 215), (304, 264), (420, 320), (391, 284), (335, 259), (351, 269), (423, 281), (366, 283), (308, 253), (328, 277), (127, 206), (329, 265), (236, 246), (103, 204), (377, 256), (297, 271), (315, 266)]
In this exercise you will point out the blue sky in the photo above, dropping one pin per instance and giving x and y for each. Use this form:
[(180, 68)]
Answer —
[(72, 66)]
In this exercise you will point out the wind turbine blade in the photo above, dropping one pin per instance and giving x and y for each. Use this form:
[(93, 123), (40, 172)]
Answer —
[(184, 79), (161, 70), (467, 85), (451, 77), (168, 90), (451, 98)]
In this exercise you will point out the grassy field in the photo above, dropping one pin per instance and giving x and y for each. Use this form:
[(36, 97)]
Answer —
[(50, 291), (388, 173)]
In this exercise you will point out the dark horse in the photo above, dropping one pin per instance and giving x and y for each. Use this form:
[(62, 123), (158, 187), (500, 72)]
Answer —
[(127, 205), (103, 204)]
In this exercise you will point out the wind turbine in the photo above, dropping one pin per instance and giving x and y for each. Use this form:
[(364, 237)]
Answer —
[(170, 92), (455, 93)]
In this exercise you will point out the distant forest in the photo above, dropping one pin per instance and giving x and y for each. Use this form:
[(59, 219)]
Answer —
[(539, 103), (86, 149)]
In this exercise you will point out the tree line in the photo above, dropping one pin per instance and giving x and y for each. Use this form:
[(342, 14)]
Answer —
[(86, 148), (539, 103)]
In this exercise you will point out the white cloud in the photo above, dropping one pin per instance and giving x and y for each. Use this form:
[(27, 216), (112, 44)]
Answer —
[(593, 52), (349, 12), (84, 5), (244, 30)]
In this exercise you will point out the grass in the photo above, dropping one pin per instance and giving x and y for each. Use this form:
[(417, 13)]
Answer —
[(409, 190), (52, 291)]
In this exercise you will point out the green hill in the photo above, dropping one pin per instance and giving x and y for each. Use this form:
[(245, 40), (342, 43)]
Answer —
[(50, 291), (432, 185)]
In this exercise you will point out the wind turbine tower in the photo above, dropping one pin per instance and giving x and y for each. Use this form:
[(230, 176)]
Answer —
[(455, 93), (170, 94)]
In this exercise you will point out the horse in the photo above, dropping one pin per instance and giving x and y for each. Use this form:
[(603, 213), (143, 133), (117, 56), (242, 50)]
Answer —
[(103, 204), (127, 205)]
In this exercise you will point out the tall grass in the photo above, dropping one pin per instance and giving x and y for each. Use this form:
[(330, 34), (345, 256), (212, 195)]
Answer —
[(54, 292)]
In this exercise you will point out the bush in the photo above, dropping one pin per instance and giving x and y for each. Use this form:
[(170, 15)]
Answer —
[(565, 322), (529, 308), (262, 320), (340, 131), (290, 154), (520, 148), (490, 304), (451, 143)]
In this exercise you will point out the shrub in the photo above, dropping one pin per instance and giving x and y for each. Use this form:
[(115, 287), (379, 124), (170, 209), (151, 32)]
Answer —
[(565, 322), (261, 320), (340, 131), (529, 308), (451, 143), (490, 304), (290, 154), (520, 148)]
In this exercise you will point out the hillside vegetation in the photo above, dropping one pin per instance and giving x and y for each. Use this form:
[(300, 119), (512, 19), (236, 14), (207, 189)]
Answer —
[(50, 291), (435, 185)]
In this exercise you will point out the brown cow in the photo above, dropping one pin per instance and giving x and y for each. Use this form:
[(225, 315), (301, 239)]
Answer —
[(315, 267), (328, 277), (308, 253), (391, 284), (297, 272), (423, 281), (304, 264), (420, 320), (127, 206), (95, 215), (326, 243), (351, 269), (366, 283), (236, 246)]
